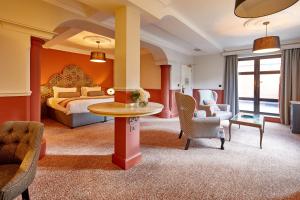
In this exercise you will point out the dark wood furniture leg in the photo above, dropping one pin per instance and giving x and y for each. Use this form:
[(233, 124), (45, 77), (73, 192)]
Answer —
[(180, 134), (261, 136), (187, 144), (222, 143), (25, 195)]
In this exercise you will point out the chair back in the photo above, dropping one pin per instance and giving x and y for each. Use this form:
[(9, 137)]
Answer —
[(180, 115), (186, 106), (207, 95), (17, 138)]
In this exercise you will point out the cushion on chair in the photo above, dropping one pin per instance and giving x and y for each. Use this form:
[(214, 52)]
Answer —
[(223, 115), (209, 102), (199, 114), (212, 103), (7, 172), (15, 140), (206, 95), (20, 143)]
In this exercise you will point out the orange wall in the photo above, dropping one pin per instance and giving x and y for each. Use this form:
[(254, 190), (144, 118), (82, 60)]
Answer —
[(53, 61), (14, 108)]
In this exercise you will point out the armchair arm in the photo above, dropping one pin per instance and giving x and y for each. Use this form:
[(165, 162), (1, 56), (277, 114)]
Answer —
[(23, 177), (205, 127), (224, 107), (207, 109)]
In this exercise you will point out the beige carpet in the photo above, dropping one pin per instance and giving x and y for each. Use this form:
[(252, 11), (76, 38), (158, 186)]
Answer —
[(78, 165)]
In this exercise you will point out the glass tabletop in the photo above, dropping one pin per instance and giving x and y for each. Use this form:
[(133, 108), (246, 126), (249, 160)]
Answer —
[(249, 118)]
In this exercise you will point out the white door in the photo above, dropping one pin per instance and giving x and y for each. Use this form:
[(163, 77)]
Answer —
[(186, 80)]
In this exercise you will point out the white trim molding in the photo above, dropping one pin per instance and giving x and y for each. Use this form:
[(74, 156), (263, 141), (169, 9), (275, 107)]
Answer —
[(37, 32), (15, 94)]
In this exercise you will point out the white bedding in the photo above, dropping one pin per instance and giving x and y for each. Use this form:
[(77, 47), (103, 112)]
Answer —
[(76, 106)]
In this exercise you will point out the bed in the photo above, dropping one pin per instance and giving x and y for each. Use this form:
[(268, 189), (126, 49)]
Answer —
[(71, 112)]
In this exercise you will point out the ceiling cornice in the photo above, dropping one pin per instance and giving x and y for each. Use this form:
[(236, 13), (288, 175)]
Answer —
[(34, 31), (73, 6)]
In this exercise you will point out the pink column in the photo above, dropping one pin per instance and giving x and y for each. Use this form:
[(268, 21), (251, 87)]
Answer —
[(35, 78), (35, 82), (127, 151), (165, 90)]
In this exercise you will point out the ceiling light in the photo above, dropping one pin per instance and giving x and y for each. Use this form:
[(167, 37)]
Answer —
[(260, 8), (266, 44), (97, 56)]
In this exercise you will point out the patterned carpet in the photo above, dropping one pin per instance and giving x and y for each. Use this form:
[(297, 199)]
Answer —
[(78, 165)]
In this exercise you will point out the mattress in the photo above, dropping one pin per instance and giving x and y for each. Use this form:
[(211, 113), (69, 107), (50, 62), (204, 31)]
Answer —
[(76, 106)]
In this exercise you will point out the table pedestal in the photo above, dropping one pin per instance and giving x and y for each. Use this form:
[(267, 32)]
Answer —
[(127, 151), (127, 128)]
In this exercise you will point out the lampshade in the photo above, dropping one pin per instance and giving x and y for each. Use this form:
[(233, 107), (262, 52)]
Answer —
[(260, 8), (97, 56), (110, 91), (266, 44)]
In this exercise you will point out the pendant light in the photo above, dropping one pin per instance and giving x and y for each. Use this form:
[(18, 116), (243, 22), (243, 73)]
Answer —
[(260, 8), (266, 44), (98, 56)]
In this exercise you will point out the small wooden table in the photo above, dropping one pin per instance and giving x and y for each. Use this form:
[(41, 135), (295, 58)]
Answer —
[(116, 109), (246, 119)]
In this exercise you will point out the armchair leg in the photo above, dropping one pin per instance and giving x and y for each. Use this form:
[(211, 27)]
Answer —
[(25, 195), (180, 134), (187, 144), (222, 143)]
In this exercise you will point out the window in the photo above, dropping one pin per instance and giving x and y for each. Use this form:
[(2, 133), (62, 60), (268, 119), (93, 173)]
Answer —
[(258, 85)]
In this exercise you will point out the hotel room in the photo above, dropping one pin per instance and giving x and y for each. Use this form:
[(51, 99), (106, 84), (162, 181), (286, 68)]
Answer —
[(160, 99)]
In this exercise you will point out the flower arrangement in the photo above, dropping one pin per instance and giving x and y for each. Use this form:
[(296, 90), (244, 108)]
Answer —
[(140, 96)]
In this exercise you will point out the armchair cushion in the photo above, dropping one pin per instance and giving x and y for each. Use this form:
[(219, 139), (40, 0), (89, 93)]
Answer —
[(209, 102), (224, 107), (223, 115), (208, 109), (199, 114), (19, 151), (207, 95), (7, 172), (212, 104), (208, 126)]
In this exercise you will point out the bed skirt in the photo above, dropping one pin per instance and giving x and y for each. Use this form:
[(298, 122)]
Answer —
[(76, 119)]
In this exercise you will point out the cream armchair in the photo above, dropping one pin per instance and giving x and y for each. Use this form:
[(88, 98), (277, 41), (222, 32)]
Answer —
[(207, 102), (19, 152), (194, 128)]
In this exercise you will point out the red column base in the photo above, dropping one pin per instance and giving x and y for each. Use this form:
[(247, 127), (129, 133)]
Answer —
[(165, 114), (126, 163), (43, 149)]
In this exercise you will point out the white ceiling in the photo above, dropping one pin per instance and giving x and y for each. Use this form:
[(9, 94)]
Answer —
[(183, 25), (217, 19)]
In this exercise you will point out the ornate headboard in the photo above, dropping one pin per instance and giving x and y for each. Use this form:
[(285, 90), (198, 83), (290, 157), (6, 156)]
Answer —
[(71, 76)]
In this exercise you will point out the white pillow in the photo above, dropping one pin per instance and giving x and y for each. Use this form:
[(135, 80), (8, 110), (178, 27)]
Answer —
[(56, 90), (85, 90)]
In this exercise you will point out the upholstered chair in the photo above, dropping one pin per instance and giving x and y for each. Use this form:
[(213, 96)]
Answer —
[(20, 143), (180, 115), (207, 102), (196, 127)]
